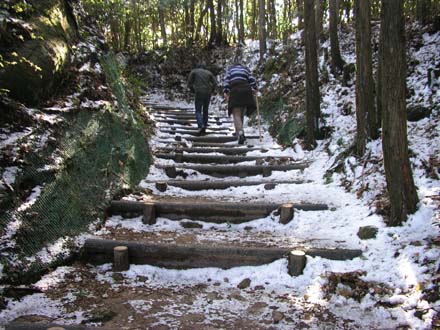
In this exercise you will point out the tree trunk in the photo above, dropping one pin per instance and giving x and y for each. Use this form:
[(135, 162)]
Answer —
[(213, 34), (364, 76), (241, 24), (400, 183), (320, 7), (312, 85), (191, 22), (273, 20), (337, 63), (262, 29), (200, 22), (162, 26), (423, 11), (300, 13), (219, 39), (254, 20)]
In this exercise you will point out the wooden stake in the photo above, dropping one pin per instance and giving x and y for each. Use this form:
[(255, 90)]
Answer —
[(149, 214), (161, 186), (286, 213), (297, 262), (258, 114), (120, 259)]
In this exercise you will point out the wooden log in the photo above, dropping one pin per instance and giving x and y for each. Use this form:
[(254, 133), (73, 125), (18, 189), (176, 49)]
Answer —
[(99, 251), (121, 261), (191, 133), (207, 185), (217, 212), (221, 171), (217, 139), (42, 326), (195, 128), (149, 214), (225, 151), (296, 262), (286, 213), (208, 159), (161, 186)]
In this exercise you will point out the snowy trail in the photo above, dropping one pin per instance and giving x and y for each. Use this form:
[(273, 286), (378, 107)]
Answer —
[(258, 297)]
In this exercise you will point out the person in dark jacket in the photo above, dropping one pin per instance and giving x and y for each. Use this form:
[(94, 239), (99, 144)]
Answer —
[(238, 88), (202, 82)]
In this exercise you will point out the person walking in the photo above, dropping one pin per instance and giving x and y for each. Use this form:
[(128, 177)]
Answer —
[(202, 82), (239, 87)]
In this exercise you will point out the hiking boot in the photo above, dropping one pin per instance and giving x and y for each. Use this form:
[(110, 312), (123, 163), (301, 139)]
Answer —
[(201, 131), (241, 138)]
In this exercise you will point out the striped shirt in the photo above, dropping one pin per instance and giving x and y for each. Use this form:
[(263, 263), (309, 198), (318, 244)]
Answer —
[(236, 73)]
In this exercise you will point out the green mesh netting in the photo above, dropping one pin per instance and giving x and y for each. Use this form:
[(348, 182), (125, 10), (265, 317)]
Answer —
[(101, 152)]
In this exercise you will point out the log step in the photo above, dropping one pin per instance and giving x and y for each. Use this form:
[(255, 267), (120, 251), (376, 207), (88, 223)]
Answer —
[(189, 122), (191, 132), (207, 159), (226, 151), (241, 171), (218, 185), (216, 139), (99, 251), (194, 128), (184, 116), (209, 211), (42, 326)]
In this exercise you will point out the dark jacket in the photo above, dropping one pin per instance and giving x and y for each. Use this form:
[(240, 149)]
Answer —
[(201, 81)]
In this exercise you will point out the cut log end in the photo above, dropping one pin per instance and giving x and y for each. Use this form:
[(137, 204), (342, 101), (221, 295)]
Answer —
[(297, 262), (120, 259), (286, 213), (149, 214), (161, 186)]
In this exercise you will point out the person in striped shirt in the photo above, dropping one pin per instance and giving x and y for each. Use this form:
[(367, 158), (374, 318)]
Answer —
[(239, 87)]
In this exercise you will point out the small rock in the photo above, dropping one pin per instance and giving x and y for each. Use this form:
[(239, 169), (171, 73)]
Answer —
[(367, 232), (244, 284), (277, 317), (191, 224), (417, 112), (259, 162), (269, 186)]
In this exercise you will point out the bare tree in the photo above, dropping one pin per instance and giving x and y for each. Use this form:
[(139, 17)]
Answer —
[(400, 182)]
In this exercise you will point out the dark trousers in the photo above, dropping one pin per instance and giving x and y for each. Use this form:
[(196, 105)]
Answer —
[(202, 105)]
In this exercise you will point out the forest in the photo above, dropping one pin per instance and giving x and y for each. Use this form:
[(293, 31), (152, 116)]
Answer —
[(120, 207)]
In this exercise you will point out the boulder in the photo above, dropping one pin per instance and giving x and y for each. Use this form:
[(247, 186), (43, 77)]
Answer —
[(32, 65)]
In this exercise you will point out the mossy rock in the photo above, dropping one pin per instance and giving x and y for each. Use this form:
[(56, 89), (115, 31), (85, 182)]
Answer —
[(367, 232), (31, 67)]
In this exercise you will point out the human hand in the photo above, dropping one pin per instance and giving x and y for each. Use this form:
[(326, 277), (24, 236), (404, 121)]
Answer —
[(226, 96)]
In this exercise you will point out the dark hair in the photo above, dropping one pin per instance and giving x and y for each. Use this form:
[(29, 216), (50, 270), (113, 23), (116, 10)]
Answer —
[(200, 66)]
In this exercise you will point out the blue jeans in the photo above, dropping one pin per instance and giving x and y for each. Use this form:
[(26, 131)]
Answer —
[(202, 105)]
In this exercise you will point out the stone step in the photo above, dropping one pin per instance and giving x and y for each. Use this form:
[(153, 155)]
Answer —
[(192, 132), (222, 171), (167, 108), (203, 210), (174, 256), (209, 159), (218, 185)]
